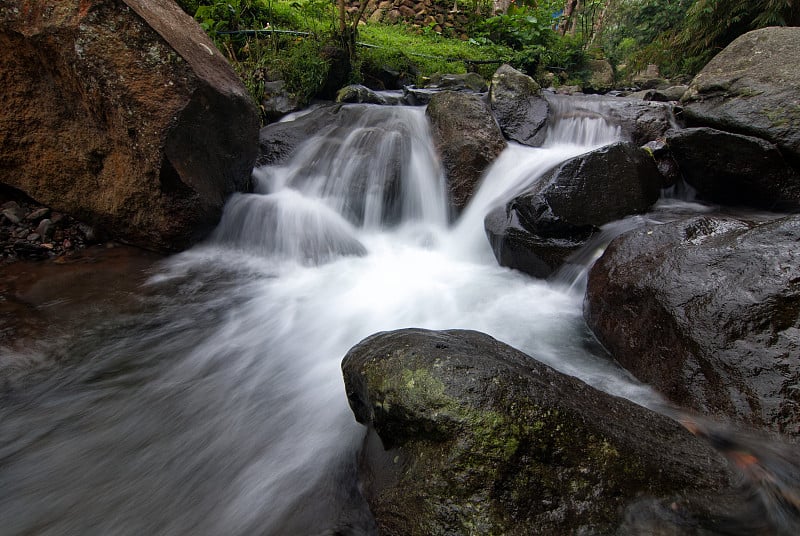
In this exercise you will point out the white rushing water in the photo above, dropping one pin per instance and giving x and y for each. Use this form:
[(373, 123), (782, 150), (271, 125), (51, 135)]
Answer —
[(222, 411)]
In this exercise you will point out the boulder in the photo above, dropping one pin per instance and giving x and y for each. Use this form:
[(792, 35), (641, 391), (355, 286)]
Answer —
[(518, 106), (752, 87), (641, 121), (470, 436), (735, 169), (278, 141), (470, 82), (670, 94), (569, 204), (467, 138), (359, 93), (707, 310), (665, 162), (278, 101), (123, 114), (601, 76)]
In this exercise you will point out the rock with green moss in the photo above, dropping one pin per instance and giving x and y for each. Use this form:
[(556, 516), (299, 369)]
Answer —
[(470, 436), (517, 103), (752, 87), (468, 139)]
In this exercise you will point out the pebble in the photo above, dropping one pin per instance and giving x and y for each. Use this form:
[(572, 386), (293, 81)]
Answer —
[(38, 214), (27, 233)]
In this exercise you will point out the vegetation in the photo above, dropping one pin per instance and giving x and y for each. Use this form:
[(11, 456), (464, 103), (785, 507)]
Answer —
[(305, 42)]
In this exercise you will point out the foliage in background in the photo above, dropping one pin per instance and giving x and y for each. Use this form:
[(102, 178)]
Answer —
[(681, 36)]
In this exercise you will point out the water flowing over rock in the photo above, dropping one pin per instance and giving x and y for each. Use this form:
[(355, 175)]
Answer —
[(480, 438), (123, 114), (278, 141), (752, 87), (537, 231), (640, 121), (734, 169), (518, 106), (468, 139), (707, 310)]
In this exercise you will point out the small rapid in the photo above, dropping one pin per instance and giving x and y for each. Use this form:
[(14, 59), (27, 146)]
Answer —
[(220, 408)]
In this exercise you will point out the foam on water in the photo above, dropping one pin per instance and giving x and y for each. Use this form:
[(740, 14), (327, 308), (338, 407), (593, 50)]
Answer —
[(223, 411)]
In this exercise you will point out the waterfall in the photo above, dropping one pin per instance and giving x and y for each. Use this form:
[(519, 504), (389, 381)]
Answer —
[(220, 408)]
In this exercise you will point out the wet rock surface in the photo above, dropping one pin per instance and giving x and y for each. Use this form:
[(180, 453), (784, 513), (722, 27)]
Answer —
[(467, 138), (707, 310), (752, 87), (733, 169), (518, 106), (480, 438), (538, 230)]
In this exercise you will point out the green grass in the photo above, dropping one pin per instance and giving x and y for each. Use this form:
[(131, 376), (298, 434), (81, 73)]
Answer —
[(432, 53)]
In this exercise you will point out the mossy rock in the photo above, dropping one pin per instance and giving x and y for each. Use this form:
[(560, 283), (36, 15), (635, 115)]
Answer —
[(469, 436)]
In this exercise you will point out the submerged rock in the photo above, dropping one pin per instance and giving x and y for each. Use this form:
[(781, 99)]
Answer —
[(734, 169), (752, 87), (538, 230), (518, 106), (467, 138), (131, 117), (482, 439), (707, 310)]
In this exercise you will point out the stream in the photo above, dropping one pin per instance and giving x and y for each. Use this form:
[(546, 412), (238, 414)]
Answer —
[(214, 404)]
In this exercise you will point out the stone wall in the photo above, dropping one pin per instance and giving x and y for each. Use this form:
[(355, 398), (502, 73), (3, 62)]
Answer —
[(442, 16)]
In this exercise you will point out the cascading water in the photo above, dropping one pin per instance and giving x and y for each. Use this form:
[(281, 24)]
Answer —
[(220, 409)]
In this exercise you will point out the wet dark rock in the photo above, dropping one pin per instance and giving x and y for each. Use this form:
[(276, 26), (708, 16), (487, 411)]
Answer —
[(667, 166), (133, 119), (735, 169), (359, 93), (707, 310), (642, 121), (338, 71), (670, 94), (277, 101), (518, 106), (415, 96), (752, 87), (278, 141), (468, 435), (516, 247), (468, 139), (470, 82), (570, 203)]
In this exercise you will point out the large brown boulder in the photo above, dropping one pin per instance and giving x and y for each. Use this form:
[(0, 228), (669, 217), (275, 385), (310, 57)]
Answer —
[(470, 436), (752, 87), (467, 138), (124, 114), (707, 310)]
